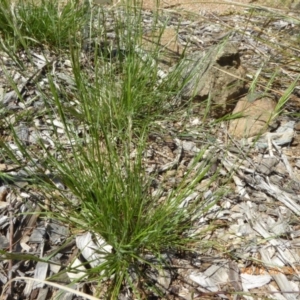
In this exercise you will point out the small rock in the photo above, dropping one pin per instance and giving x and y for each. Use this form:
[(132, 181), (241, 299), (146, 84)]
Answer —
[(216, 74), (256, 116)]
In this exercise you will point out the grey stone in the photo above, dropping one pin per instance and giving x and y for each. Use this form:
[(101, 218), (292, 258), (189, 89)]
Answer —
[(216, 75)]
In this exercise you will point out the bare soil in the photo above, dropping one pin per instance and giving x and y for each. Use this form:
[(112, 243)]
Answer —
[(220, 7), (204, 6)]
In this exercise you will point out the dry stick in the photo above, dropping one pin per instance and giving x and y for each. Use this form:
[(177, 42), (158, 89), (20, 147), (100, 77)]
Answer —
[(11, 236), (65, 288), (3, 198)]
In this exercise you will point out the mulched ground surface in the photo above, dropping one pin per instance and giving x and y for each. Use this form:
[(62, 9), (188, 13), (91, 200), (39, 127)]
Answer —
[(257, 218)]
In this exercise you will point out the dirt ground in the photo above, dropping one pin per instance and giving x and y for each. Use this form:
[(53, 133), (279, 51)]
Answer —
[(202, 6), (220, 7)]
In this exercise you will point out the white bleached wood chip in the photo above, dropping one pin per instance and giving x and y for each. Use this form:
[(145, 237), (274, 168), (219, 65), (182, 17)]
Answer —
[(195, 121), (45, 137), (164, 278), (286, 127), (204, 281), (280, 258), (273, 263), (9, 97), (281, 227), (43, 294), (38, 235), (291, 257), (4, 220), (39, 60), (3, 278), (40, 272), (90, 250), (68, 63), (259, 183), (57, 232), (212, 278), (287, 286), (266, 165), (226, 205), (218, 273), (1, 94), (285, 161), (283, 135), (242, 229), (189, 198), (61, 131), (254, 281), (15, 148), (190, 147), (23, 243), (69, 80), (25, 195), (56, 123), (286, 257), (276, 293), (240, 186), (56, 266), (280, 24), (3, 242), (276, 260), (78, 270), (260, 226), (161, 277), (57, 181)]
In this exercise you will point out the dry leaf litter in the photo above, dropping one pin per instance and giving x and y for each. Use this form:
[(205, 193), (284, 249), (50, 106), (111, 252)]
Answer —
[(257, 217)]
